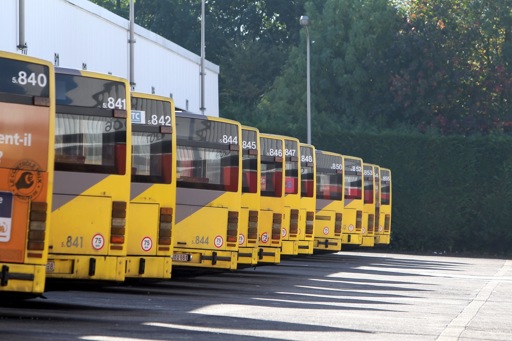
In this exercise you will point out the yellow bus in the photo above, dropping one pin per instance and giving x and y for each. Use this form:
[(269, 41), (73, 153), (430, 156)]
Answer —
[(209, 191), (329, 201), (27, 113), (383, 236), (307, 198), (370, 204), (153, 187), (92, 176), (249, 213), (291, 201), (376, 175), (272, 196), (353, 200)]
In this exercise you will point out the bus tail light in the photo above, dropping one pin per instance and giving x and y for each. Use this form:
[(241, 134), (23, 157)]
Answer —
[(376, 220), (337, 224), (37, 228), (294, 222), (359, 220), (310, 223), (232, 233), (387, 224), (118, 227), (371, 223), (252, 232), (277, 220), (165, 226)]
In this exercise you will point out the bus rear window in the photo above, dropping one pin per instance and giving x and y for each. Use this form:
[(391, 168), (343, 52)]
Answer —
[(207, 168), (271, 178), (90, 144), (329, 177), (368, 184), (151, 158), (271, 167)]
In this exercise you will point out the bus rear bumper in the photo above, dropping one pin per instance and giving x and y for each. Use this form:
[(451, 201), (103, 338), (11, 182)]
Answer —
[(248, 255), (368, 241), (104, 268), (328, 244), (306, 247), (352, 238), (148, 267), (205, 258), (269, 255), (382, 239), (22, 278), (290, 247)]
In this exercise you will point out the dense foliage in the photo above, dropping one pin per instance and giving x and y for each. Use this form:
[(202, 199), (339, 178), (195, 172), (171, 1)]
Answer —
[(421, 86), (450, 194)]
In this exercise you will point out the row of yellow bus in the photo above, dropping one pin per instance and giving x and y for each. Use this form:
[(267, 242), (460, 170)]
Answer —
[(100, 183)]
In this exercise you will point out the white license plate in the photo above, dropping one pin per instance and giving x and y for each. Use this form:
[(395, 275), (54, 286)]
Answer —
[(181, 257)]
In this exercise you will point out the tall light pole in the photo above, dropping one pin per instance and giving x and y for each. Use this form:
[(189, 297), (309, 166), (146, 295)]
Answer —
[(203, 24), (304, 22)]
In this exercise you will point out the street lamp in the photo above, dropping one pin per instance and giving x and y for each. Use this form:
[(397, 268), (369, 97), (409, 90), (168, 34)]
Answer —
[(304, 22)]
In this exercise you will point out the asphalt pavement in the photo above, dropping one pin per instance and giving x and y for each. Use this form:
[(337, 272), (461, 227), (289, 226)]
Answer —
[(343, 296)]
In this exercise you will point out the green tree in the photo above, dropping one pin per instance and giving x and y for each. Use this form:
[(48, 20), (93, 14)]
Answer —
[(349, 70), (452, 66)]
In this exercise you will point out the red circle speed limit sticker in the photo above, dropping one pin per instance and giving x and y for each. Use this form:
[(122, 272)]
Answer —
[(218, 241), (98, 241), (146, 244)]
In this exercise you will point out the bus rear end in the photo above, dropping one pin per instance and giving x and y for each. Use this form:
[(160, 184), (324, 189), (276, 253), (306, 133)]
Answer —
[(384, 234), (209, 191), (92, 177), (376, 176), (272, 194), (369, 205), (153, 187), (27, 112), (249, 213), (291, 204), (307, 198), (329, 201), (353, 200)]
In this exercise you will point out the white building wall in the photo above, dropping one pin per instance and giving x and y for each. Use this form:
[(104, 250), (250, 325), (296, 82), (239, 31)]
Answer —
[(83, 34)]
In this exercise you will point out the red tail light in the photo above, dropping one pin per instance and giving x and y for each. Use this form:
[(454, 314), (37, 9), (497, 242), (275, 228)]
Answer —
[(310, 223), (232, 233), (359, 220), (118, 226), (37, 227), (337, 224), (165, 226)]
